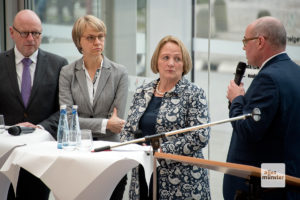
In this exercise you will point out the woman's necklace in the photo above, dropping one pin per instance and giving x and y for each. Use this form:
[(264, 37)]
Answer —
[(157, 91)]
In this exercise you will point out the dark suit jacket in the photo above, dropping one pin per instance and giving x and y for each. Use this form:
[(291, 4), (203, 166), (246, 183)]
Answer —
[(43, 103), (276, 137)]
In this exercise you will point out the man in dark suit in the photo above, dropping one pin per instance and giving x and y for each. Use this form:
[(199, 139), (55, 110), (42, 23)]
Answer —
[(29, 91), (276, 92)]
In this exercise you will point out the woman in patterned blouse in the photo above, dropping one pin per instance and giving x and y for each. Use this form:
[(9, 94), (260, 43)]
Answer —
[(170, 103)]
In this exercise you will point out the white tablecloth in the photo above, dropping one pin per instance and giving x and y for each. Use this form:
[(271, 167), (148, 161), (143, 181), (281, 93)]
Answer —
[(75, 174), (8, 143)]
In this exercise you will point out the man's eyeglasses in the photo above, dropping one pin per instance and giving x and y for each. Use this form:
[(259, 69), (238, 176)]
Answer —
[(25, 34), (245, 40), (92, 38)]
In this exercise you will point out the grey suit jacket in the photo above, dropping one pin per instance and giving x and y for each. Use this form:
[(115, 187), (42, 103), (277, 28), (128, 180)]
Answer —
[(111, 92), (43, 104)]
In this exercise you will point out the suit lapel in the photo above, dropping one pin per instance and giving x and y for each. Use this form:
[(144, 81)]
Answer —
[(80, 76), (12, 74), (39, 74), (143, 98), (105, 74), (149, 92)]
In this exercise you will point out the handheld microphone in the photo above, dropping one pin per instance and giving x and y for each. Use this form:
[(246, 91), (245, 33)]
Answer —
[(239, 73), (17, 130)]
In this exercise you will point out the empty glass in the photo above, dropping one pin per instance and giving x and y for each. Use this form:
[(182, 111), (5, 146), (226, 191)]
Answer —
[(2, 124), (86, 143)]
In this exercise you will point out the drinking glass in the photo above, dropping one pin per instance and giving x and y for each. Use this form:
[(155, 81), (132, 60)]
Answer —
[(2, 124), (86, 143)]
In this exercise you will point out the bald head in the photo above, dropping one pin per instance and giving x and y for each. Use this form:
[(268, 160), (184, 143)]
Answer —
[(272, 29), (26, 21), (27, 17)]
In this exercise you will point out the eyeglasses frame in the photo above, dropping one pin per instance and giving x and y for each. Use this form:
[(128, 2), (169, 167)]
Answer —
[(245, 40), (93, 38), (34, 34)]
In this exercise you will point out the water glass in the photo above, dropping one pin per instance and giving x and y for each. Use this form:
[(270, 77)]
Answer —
[(2, 124), (86, 143)]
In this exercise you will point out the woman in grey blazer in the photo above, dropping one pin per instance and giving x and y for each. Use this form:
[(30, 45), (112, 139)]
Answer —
[(97, 85)]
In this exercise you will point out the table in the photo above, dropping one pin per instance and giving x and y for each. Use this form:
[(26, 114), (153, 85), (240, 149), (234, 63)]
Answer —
[(76, 174), (7, 145), (9, 142)]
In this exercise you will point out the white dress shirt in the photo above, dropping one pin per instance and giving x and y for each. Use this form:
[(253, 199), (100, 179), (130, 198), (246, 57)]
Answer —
[(270, 59), (19, 66), (92, 88)]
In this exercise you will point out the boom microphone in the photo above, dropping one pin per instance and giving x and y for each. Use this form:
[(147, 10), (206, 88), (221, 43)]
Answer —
[(239, 73), (17, 130), (154, 139)]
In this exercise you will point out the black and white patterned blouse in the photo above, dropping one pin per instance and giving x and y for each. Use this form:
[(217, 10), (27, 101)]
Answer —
[(183, 106)]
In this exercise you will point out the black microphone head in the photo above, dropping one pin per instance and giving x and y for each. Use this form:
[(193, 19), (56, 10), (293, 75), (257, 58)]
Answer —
[(14, 130), (239, 73), (241, 68), (138, 134)]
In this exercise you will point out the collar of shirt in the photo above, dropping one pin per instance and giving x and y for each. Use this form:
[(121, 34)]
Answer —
[(87, 73), (19, 66), (92, 86), (19, 57), (270, 59)]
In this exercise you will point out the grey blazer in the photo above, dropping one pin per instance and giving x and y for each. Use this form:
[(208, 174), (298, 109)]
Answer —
[(111, 92)]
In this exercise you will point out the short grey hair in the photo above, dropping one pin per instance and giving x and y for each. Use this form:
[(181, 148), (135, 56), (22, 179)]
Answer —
[(272, 29)]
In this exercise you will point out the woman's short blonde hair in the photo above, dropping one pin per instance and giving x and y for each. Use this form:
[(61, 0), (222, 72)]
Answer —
[(187, 62), (80, 26)]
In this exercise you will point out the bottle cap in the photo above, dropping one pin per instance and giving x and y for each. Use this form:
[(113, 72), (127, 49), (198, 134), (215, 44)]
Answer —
[(63, 106), (75, 107)]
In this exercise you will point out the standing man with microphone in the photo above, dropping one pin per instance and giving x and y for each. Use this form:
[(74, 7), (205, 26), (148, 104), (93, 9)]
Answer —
[(29, 90), (275, 91)]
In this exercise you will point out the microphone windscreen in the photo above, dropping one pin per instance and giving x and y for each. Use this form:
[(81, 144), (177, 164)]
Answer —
[(138, 134), (14, 130), (105, 148), (239, 73)]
